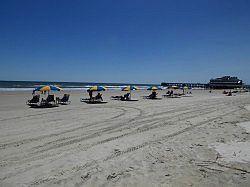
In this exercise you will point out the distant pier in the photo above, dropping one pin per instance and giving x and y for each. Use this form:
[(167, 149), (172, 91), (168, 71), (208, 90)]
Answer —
[(180, 84)]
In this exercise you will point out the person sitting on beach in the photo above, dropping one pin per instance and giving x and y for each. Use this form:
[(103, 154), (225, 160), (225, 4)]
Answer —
[(126, 96), (98, 96), (229, 93), (122, 97), (153, 95)]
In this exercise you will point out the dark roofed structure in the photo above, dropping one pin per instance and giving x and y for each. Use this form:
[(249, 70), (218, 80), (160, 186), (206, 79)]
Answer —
[(226, 82)]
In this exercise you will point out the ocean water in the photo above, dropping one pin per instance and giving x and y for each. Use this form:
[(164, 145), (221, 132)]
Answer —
[(30, 85)]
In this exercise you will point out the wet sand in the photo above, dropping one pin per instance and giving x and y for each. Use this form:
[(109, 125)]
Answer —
[(202, 140)]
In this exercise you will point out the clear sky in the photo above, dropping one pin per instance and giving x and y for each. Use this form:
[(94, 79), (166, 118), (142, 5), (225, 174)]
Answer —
[(137, 41)]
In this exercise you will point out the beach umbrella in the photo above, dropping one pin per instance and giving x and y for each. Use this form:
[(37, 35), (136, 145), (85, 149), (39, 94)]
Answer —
[(175, 87), (97, 88), (154, 88), (185, 88), (48, 88), (129, 88)]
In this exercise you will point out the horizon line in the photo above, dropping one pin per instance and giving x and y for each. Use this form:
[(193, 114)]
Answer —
[(81, 82)]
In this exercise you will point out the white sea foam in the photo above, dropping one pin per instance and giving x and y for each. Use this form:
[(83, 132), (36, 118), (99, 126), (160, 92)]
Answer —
[(15, 89)]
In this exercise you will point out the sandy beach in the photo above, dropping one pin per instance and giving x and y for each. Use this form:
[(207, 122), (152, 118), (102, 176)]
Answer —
[(201, 140)]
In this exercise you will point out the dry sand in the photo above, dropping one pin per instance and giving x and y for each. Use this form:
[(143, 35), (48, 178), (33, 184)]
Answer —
[(190, 141)]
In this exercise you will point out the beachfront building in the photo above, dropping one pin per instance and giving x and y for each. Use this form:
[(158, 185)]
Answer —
[(226, 82)]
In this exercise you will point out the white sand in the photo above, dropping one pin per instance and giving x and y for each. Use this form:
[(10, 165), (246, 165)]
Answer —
[(234, 151), (245, 125), (146, 143), (247, 107)]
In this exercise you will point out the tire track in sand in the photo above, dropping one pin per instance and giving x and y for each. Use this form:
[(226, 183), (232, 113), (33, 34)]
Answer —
[(140, 130), (134, 148), (134, 120), (128, 150), (29, 140)]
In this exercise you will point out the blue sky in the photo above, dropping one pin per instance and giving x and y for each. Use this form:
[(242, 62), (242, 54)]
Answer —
[(137, 41)]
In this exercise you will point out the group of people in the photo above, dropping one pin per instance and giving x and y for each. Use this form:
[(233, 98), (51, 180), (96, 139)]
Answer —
[(227, 93), (95, 98), (170, 92), (126, 96)]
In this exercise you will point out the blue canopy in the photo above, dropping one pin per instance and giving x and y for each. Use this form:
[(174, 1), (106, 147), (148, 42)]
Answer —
[(47, 88), (154, 88)]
